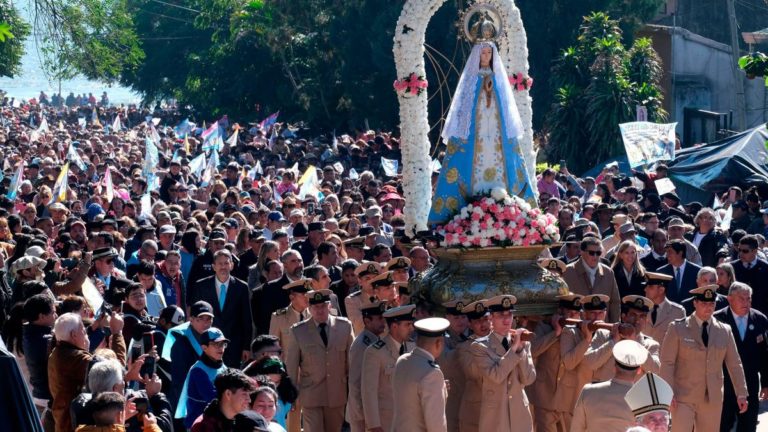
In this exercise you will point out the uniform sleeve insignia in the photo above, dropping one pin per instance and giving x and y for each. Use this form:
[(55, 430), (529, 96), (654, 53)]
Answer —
[(366, 340)]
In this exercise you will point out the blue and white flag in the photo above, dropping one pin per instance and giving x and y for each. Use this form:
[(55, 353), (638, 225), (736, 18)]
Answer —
[(184, 128), (75, 158), (18, 177), (151, 157), (389, 166), (197, 164)]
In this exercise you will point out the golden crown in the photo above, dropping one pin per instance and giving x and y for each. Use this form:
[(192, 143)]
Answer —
[(481, 23)]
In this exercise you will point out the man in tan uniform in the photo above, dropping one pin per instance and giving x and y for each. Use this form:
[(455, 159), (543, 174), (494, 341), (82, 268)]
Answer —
[(601, 407), (471, 398), (374, 327), (419, 383), (449, 359), (599, 356), (589, 276), (283, 318), (400, 267), (385, 288), (316, 360), (545, 350), (366, 271), (663, 310), (503, 363), (378, 366), (692, 358), (574, 343)]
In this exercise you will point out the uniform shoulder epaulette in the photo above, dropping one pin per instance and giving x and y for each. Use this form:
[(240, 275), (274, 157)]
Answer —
[(433, 364), (355, 294), (282, 311), (483, 339), (367, 340), (681, 319), (379, 344), (301, 324)]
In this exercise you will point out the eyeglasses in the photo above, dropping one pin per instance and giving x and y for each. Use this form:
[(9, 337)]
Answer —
[(594, 253), (220, 344)]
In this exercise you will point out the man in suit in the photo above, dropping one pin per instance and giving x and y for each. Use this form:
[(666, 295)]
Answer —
[(752, 271), (378, 365), (419, 382), (683, 272), (503, 364), (317, 361), (601, 406), (231, 307), (658, 257), (271, 296), (589, 276), (374, 326), (749, 328), (692, 358), (663, 311), (545, 349)]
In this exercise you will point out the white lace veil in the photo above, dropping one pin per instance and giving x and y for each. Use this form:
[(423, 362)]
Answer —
[(460, 114)]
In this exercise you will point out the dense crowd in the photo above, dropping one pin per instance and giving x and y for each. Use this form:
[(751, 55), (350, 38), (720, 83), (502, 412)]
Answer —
[(172, 298)]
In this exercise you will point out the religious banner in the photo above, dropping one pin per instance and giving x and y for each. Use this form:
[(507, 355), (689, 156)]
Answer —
[(646, 142)]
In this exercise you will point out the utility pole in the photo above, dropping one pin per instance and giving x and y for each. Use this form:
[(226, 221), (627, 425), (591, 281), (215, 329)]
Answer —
[(738, 79)]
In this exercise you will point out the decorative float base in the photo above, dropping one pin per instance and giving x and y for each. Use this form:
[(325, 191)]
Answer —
[(474, 274)]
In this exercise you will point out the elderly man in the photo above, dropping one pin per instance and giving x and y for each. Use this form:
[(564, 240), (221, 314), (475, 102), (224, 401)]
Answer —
[(589, 276), (384, 231), (749, 327), (692, 359), (69, 361), (650, 399)]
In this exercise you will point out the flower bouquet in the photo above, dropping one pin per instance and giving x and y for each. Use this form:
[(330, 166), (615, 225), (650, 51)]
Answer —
[(498, 219), (412, 85), (520, 82)]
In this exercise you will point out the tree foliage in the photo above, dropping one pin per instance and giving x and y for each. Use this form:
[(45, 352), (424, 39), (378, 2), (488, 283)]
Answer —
[(600, 82), (13, 31)]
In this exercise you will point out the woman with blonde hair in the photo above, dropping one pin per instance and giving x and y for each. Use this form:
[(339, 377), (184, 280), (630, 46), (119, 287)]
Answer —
[(725, 277), (628, 271)]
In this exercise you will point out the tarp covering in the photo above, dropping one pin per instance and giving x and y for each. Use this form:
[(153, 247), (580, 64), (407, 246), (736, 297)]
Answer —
[(740, 160)]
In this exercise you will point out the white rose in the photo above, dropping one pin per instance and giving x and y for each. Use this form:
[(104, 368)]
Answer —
[(498, 193)]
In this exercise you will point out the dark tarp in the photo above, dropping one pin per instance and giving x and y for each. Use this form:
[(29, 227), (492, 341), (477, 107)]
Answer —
[(740, 160), (17, 411), (624, 167)]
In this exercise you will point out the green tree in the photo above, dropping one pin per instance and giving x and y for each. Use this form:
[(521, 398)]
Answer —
[(600, 83), (13, 32)]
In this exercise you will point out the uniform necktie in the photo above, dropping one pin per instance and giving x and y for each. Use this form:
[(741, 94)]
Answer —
[(222, 295), (323, 334), (402, 348), (705, 333), (678, 279), (653, 313), (505, 343)]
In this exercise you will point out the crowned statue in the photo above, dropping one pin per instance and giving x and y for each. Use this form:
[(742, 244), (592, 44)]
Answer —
[(481, 130)]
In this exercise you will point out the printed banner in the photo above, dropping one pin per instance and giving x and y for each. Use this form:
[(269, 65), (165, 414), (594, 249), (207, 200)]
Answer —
[(646, 142)]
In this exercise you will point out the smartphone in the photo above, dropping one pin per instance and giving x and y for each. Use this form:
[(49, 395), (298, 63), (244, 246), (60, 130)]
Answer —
[(135, 352), (311, 208), (148, 340), (562, 164), (142, 404), (148, 368), (732, 195)]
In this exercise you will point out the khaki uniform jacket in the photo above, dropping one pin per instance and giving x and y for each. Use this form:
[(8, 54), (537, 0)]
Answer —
[(668, 311), (376, 383), (282, 320), (694, 371), (352, 304), (601, 408), (472, 397), (421, 394), (454, 373), (576, 373), (354, 411), (545, 350), (605, 283), (602, 351), (320, 372), (504, 376)]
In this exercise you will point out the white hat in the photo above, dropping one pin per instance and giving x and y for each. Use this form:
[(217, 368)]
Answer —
[(35, 251), (650, 393), (630, 354), (431, 327)]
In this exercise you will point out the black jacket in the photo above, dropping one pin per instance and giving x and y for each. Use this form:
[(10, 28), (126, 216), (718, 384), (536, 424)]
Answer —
[(753, 350), (756, 277), (36, 341), (635, 286), (267, 299), (712, 242)]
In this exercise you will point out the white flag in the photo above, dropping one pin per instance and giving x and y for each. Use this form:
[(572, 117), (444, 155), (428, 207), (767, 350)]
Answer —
[(43, 125), (389, 166), (110, 191), (197, 164), (435, 165), (232, 140), (338, 167), (310, 185), (81, 122), (146, 205), (116, 125), (255, 170), (353, 174)]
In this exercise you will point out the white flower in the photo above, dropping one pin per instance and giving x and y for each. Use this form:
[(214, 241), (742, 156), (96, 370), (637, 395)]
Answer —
[(498, 193)]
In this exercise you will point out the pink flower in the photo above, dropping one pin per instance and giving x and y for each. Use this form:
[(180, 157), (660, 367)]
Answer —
[(459, 230), (483, 225), (497, 225), (520, 87), (476, 241), (462, 239), (475, 216)]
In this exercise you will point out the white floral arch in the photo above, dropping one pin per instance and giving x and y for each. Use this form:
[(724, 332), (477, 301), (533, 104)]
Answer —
[(414, 124)]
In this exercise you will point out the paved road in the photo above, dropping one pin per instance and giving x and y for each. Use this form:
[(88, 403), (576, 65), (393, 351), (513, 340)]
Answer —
[(762, 426)]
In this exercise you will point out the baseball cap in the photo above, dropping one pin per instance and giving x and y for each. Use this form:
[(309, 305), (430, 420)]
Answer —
[(173, 315), (201, 308), (212, 335), (276, 216)]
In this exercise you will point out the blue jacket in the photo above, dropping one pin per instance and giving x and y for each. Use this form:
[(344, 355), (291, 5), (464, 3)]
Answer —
[(36, 341), (198, 389)]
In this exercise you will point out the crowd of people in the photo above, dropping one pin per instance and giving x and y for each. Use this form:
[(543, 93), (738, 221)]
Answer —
[(244, 302)]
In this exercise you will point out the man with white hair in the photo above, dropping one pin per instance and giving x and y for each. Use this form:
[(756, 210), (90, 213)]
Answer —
[(69, 360), (650, 399)]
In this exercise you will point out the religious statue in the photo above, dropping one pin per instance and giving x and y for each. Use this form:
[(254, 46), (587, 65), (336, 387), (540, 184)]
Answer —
[(481, 130)]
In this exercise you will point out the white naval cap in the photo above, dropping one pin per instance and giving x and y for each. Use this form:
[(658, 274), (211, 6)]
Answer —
[(629, 354)]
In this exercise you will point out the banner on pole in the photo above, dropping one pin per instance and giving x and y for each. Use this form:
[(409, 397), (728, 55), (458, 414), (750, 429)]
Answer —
[(646, 142)]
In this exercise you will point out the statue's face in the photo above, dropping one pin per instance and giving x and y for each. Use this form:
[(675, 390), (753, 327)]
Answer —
[(486, 55)]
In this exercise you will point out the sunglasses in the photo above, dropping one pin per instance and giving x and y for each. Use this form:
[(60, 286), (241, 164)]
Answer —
[(595, 253)]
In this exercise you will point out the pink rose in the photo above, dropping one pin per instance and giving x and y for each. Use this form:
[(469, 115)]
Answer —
[(475, 216)]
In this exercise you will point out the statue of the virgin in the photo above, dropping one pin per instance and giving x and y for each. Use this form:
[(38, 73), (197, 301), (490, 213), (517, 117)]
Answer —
[(481, 132)]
